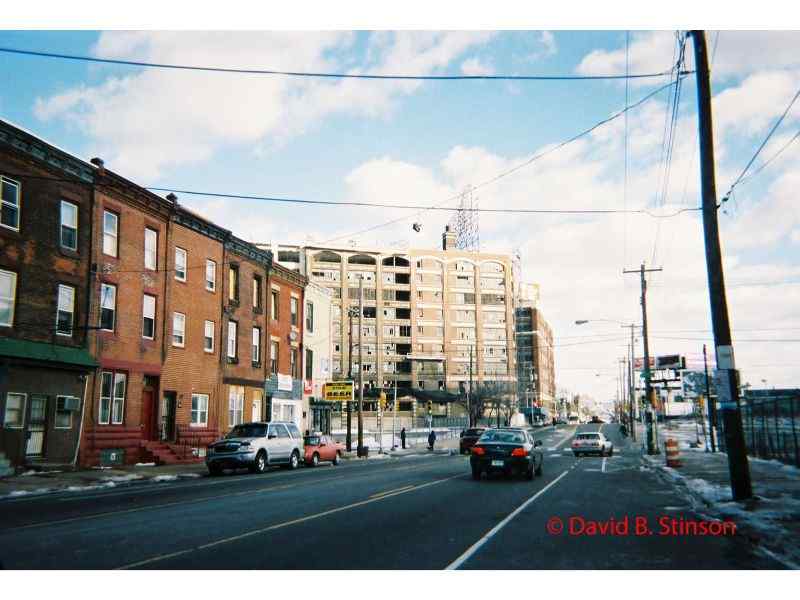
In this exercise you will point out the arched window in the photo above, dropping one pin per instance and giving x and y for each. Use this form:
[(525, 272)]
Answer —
[(327, 256), (395, 261), (361, 259)]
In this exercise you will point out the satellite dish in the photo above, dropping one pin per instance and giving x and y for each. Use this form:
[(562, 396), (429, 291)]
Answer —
[(417, 227)]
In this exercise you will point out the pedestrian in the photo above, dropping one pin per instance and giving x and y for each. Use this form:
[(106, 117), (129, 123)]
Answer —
[(403, 437), (431, 439)]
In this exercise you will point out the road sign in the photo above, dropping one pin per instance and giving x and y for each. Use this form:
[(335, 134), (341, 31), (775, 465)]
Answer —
[(671, 361), (338, 391)]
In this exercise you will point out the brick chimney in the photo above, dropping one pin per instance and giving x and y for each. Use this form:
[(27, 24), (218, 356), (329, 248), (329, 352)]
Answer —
[(448, 239)]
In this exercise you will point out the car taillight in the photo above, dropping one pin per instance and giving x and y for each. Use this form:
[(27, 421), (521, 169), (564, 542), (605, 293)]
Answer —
[(519, 452), (478, 450)]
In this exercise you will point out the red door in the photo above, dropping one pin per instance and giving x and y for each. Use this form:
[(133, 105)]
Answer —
[(147, 415)]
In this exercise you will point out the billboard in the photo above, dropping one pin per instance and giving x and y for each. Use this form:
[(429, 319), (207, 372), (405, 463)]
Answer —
[(337, 391)]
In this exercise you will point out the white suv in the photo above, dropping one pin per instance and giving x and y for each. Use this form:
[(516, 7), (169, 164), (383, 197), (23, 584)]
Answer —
[(256, 446)]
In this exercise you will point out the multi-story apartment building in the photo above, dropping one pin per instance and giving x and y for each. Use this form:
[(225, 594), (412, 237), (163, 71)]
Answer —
[(535, 361), (45, 266), (426, 314)]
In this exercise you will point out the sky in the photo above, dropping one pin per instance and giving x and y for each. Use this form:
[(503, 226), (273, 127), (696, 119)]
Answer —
[(422, 143)]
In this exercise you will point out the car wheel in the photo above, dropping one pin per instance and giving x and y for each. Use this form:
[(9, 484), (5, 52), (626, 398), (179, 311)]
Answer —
[(214, 470), (336, 458), (260, 463), (476, 474), (315, 460), (294, 460), (538, 470)]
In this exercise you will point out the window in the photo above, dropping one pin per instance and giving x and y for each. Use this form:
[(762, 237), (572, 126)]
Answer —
[(66, 310), (274, 348), (310, 317), (294, 365), (211, 275), (233, 283), (256, 292), (293, 311), (148, 317), (8, 295), (69, 225), (235, 405), (256, 345), (63, 416), (233, 331), (274, 308), (180, 264), (199, 410), (178, 329), (112, 398), (15, 410), (9, 207), (309, 364), (208, 336), (108, 306), (110, 233), (150, 249)]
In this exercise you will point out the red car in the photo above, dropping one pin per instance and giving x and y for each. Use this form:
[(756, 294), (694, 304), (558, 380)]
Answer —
[(319, 447)]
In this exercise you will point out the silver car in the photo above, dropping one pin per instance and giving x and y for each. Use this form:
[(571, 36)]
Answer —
[(256, 446), (592, 443)]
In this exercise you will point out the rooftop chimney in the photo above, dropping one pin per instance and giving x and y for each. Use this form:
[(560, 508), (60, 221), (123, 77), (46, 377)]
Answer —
[(98, 162), (448, 239)]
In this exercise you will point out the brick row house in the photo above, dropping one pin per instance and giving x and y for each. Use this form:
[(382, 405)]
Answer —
[(131, 329)]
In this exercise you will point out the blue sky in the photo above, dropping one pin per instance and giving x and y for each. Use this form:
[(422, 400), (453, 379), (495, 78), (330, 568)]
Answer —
[(419, 143)]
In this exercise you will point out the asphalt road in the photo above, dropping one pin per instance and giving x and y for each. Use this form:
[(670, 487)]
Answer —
[(401, 513)]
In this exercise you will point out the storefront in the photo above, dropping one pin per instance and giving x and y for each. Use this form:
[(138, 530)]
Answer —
[(285, 399)]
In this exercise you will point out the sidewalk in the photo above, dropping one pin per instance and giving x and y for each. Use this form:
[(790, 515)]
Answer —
[(771, 519)]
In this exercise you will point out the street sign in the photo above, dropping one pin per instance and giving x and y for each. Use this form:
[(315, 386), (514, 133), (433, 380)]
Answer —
[(671, 361), (338, 391)]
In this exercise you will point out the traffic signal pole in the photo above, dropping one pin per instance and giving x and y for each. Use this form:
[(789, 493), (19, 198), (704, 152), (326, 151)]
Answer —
[(727, 375)]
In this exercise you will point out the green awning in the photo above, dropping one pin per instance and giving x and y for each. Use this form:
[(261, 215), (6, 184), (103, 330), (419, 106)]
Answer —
[(52, 353)]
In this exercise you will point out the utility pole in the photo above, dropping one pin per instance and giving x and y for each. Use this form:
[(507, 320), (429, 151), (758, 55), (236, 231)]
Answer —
[(360, 448), (728, 376), (469, 394), (652, 427), (631, 386), (349, 438), (394, 412), (712, 412)]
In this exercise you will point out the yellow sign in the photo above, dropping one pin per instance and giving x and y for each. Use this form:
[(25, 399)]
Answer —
[(338, 391), (383, 401)]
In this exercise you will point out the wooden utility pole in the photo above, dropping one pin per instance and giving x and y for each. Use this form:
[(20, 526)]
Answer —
[(349, 438), (727, 375), (360, 447), (651, 414)]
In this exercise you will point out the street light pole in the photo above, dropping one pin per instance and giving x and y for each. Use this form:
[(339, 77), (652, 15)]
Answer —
[(349, 438), (360, 448)]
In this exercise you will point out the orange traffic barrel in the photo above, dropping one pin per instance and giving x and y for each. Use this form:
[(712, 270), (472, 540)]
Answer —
[(673, 454)]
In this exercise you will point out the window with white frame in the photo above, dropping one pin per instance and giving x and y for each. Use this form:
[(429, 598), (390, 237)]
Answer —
[(293, 311), (199, 410), (150, 249), (180, 264), (110, 233), (208, 336), (15, 411), (63, 419), (65, 313), (178, 329), (256, 345), (211, 275), (233, 331), (8, 297), (256, 292), (293, 363), (309, 316), (108, 306), (275, 297), (69, 225), (9, 207), (112, 398), (148, 316), (235, 405), (274, 348)]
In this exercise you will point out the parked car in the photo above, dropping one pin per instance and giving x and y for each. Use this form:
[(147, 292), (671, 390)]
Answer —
[(509, 450), (560, 421), (592, 443), (468, 438), (256, 446), (319, 447)]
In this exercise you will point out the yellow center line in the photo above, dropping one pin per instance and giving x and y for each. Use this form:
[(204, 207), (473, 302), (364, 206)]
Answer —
[(402, 489), (286, 523)]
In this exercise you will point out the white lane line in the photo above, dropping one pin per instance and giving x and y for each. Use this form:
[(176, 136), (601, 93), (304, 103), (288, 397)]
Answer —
[(285, 524), (561, 443), (491, 533), (603, 468)]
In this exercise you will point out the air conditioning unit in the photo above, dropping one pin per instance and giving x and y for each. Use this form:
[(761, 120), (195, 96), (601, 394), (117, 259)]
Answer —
[(68, 403)]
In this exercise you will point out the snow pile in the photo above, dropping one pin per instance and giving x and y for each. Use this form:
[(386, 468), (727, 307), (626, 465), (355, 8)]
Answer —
[(19, 493), (709, 492), (123, 478), (28, 473), (189, 475), (145, 464), (84, 488), (159, 478)]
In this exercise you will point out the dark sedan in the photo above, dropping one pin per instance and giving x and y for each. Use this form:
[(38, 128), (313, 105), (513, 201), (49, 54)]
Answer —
[(468, 438), (507, 450)]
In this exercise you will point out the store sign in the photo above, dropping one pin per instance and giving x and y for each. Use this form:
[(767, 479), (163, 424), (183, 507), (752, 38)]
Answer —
[(338, 391), (284, 382)]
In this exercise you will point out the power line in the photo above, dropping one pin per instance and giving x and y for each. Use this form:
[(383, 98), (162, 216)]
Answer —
[(766, 163), (514, 169), (134, 63), (761, 147)]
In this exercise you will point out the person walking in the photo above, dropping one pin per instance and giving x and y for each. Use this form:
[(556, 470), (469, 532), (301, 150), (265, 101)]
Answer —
[(403, 437), (431, 439)]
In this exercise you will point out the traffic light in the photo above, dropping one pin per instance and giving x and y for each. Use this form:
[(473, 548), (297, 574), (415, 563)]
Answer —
[(430, 406), (383, 401)]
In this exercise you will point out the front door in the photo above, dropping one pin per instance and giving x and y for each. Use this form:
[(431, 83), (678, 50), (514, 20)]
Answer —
[(148, 428), (256, 410), (36, 426), (168, 416)]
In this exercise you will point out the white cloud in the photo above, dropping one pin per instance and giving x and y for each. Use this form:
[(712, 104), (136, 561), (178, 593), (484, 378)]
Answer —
[(154, 119), (474, 66)]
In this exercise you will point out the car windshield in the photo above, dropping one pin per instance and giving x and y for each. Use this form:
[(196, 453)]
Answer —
[(248, 430), (589, 436), (311, 440), (511, 437), (474, 432)]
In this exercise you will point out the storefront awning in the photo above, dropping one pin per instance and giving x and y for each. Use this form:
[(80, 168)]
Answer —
[(50, 353)]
